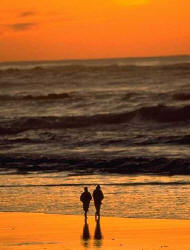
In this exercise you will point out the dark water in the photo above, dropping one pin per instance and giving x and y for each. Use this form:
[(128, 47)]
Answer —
[(129, 114)]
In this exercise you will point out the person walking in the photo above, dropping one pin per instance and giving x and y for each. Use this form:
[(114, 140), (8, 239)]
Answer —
[(85, 198), (98, 196)]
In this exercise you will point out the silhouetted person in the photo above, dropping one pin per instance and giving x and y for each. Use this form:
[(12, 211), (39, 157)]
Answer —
[(98, 197), (98, 234), (86, 198)]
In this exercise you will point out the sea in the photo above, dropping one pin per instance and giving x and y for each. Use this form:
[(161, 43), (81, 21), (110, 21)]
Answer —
[(123, 123)]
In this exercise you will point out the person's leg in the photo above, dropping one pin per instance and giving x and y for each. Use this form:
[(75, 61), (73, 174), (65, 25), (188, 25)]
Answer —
[(96, 211), (85, 207), (85, 213), (98, 205)]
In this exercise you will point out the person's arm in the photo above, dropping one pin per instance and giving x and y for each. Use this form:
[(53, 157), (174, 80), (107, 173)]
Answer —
[(90, 196), (102, 195), (93, 194), (81, 197)]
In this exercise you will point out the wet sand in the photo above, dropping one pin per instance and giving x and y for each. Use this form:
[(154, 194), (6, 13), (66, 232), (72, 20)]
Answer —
[(60, 232)]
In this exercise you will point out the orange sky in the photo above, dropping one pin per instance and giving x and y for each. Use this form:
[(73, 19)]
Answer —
[(62, 29)]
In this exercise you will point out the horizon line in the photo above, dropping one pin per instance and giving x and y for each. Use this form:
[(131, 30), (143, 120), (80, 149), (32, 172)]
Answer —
[(94, 59)]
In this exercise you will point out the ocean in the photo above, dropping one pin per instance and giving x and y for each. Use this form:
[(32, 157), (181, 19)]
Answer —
[(122, 123)]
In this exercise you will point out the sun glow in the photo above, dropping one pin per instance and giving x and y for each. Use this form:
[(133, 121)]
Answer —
[(131, 2)]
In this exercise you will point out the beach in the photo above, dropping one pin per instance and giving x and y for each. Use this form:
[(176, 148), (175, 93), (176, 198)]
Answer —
[(50, 231)]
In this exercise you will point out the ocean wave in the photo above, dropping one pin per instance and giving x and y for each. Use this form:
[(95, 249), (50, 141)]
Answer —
[(74, 95), (159, 114), (59, 139), (113, 67), (173, 140), (129, 165), (163, 113), (51, 96), (152, 183), (181, 96)]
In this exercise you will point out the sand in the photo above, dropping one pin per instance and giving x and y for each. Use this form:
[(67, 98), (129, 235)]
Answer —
[(60, 232)]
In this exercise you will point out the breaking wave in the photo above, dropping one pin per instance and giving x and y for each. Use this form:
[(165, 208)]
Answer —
[(129, 165), (159, 114)]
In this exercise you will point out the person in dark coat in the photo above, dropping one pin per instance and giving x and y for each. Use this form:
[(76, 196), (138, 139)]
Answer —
[(85, 198), (98, 196)]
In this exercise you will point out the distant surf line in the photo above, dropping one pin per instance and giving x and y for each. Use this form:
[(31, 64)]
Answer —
[(102, 184)]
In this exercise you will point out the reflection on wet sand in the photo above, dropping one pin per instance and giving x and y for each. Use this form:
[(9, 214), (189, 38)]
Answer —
[(98, 234), (85, 234)]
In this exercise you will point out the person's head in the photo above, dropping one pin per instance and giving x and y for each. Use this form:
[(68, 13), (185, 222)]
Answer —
[(98, 187), (85, 189)]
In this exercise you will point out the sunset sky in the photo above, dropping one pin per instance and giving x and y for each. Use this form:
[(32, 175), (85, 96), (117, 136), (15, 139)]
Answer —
[(65, 29)]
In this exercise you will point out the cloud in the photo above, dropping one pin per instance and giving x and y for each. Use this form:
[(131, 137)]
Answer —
[(21, 26), (27, 13)]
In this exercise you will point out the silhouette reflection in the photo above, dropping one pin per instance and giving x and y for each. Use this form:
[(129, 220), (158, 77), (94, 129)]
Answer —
[(98, 234), (86, 234)]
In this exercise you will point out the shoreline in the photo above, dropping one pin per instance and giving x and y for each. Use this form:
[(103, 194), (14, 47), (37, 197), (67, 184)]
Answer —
[(90, 215), (30, 231)]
